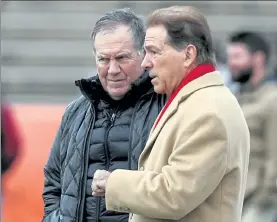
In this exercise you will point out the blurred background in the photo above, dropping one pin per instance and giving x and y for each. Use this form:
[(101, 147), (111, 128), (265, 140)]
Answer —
[(45, 46)]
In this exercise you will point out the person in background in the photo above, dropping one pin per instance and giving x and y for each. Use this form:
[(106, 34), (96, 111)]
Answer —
[(10, 138), (194, 165), (107, 127), (248, 56), (223, 68)]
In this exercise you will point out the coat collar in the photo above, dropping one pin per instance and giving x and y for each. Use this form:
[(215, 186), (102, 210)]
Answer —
[(208, 80), (195, 73)]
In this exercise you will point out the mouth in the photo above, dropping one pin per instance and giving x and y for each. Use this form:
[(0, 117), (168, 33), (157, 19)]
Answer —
[(152, 76), (116, 80), (154, 80)]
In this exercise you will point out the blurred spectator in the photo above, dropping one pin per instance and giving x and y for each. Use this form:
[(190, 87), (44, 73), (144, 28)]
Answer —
[(223, 68), (10, 141), (248, 54)]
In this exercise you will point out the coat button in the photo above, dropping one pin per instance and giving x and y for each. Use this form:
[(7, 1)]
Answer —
[(141, 168)]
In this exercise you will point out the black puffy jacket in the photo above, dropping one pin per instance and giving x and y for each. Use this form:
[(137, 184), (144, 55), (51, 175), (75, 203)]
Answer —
[(96, 132)]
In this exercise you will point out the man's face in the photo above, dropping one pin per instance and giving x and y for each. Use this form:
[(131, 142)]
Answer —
[(118, 62), (239, 61), (164, 62)]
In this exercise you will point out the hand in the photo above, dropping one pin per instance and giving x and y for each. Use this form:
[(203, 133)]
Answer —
[(99, 182)]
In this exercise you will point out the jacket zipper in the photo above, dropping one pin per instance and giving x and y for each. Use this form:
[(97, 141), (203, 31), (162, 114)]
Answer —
[(112, 119), (80, 209), (131, 130)]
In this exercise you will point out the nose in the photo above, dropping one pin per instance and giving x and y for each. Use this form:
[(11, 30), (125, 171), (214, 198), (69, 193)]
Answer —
[(114, 67), (146, 63)]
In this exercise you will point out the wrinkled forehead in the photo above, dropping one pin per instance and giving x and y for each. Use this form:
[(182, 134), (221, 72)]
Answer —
[(155, 35), (114, 41)]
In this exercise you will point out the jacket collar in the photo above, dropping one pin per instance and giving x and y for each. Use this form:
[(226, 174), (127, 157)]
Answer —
[(92, 89), (208, 80)]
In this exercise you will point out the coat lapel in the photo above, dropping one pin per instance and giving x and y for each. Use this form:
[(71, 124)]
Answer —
[(208, 80)]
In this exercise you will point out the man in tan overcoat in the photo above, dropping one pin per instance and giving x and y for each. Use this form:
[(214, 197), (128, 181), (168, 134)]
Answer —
[(194, 165)]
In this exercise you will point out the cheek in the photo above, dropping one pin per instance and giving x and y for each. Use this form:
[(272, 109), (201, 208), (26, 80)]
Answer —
[(102, 70), (102, 74), (239, 62), (162, 81), (164, 70), (132, 70), (165, 80), (168, 71)]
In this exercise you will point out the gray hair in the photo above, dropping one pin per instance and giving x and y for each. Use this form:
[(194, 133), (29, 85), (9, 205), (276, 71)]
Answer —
[(112, 19)]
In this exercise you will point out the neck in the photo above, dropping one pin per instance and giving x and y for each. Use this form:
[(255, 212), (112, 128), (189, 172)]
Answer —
[(190, 74), (257, 77)]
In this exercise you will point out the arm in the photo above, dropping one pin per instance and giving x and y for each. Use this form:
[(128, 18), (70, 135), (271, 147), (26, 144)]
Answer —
[(195, 168), (52, 187), (270, 164)]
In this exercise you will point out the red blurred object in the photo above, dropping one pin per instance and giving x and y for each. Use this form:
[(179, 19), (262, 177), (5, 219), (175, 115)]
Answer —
[(10, 139), (22, 185)]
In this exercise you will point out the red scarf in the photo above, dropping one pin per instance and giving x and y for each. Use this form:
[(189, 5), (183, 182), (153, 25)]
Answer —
[(197, 72)]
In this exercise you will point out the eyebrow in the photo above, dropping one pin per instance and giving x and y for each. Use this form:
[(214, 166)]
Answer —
[(119, 55), (101, 55), (123, 54), (149, 47)]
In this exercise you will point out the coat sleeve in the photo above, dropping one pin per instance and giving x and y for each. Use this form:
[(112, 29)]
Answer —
[(195, 168), (270, 172), (52, 184)]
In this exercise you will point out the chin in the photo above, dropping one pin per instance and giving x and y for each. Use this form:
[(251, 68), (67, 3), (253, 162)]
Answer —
[(116, 97), (118, 94), (158, 90)]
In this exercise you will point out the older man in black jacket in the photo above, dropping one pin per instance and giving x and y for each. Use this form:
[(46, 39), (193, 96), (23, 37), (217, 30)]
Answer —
[(107, 127)]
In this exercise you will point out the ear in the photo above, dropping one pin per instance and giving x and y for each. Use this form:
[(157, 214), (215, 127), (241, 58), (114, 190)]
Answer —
[(190, 54), (259, 59)]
